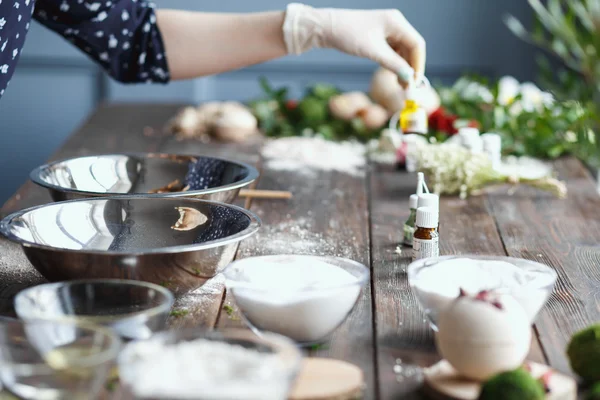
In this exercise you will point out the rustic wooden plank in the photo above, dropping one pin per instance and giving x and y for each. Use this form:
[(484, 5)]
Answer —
[(404, 338), (327, 216), (564, 234)]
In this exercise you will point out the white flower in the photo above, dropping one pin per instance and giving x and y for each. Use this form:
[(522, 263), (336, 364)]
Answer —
[(508, 90), (532, 98), (570, 136)]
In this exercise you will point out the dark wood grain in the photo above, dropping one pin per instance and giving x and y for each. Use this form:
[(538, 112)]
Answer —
[(564, 234), (404, 338), (328, 215)]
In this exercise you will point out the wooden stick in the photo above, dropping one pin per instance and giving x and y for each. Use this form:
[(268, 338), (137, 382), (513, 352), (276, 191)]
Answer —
[(265, 194)]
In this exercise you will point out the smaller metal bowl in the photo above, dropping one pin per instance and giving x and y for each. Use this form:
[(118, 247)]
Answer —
[(178, 243), (55, 360), (156, 369), (132, 309), (146, 175)]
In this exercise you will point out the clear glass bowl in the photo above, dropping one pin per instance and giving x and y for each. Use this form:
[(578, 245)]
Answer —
[(133, 309), (55, 360), (529, 282), (274, 294), (193, 364)]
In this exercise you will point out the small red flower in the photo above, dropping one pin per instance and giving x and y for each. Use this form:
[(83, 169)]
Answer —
[(441, 122), (291, 104)]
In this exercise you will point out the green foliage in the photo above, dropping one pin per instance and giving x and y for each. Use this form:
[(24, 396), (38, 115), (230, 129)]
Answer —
[(537, 130), (584, 353), (280, 116), (569, 30)]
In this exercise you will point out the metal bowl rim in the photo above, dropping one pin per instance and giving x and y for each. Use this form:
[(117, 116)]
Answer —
[(253, 174), (252, 228), (163, 307)]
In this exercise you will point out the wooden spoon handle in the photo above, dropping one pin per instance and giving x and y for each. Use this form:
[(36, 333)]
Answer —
[(265, 194)]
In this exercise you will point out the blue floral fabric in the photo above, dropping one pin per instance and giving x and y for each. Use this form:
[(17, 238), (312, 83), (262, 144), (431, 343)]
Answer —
[(120, 35)]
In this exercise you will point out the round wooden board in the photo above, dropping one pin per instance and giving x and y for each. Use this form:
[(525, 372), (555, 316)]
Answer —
[(326, 379), (442, 382)]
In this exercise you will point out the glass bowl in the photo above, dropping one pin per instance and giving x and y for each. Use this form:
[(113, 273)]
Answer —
[(529, 282), (302, 297), (133, 309), (209, 365), (55, 360)]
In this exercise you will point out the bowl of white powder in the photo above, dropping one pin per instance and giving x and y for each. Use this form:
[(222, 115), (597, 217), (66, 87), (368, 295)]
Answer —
[(436, 282), (193, 364), (302, 297)]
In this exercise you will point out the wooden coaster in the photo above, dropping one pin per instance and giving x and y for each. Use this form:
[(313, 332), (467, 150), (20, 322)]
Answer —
[(326, 379), (442, 382)]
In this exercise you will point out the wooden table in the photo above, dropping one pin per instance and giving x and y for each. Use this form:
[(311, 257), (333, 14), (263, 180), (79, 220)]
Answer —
[(362, 218)]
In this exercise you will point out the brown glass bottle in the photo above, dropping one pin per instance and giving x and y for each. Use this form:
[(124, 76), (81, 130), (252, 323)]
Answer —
[(426, 236)]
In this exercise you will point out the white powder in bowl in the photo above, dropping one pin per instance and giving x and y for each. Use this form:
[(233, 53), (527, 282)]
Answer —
[(438, 285), (201, 369), (302, 298)]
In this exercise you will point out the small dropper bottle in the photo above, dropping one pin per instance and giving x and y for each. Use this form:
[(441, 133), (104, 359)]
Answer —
[(430, 200), (426, 237), (409, 225), (492, 145), (413, 118), (470, 139)]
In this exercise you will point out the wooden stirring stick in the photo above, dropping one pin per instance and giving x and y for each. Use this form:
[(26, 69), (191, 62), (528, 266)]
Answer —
[(265, 194)]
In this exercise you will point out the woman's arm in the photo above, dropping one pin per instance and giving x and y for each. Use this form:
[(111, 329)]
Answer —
[(199, 44)]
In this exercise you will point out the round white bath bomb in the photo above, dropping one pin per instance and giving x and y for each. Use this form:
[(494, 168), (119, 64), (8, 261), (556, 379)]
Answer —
[(480, 340)]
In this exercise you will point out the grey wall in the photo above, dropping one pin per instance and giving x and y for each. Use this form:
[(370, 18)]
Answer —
[(56, 87)]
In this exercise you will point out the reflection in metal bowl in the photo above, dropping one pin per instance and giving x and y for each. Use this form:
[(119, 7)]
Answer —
[(144, 175), (128, 237)]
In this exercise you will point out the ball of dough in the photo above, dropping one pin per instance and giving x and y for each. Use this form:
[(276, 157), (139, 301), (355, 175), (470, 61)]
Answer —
[(480, 340), (347, 105)]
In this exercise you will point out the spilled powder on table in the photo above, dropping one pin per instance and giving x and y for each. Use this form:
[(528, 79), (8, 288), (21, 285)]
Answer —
[(297, 237), (201, 298), (310, 154)]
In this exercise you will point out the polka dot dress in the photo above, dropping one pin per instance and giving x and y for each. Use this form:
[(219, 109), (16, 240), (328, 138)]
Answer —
[(222, 223), (205, 173), (120, 35)]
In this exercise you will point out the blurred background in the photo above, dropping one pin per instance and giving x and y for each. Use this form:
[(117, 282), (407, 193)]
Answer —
[(56, 87)]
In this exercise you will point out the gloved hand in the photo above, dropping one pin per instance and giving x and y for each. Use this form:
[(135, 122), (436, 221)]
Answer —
[(384, 36)]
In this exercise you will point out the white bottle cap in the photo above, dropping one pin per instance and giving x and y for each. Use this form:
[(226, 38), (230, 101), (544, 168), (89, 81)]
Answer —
[(427, 217), (429, 200), (491, 142), (468, 132), (414, 201)]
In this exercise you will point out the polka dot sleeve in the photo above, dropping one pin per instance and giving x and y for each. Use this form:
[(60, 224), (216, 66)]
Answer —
[(121, 35)]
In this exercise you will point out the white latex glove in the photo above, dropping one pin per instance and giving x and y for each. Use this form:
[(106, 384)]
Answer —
[(384, 36)]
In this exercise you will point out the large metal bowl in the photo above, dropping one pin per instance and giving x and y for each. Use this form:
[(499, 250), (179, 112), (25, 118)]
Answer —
[(147, 175), (179, 243)]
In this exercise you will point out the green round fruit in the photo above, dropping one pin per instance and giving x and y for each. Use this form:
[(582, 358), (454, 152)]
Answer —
[(593, 393), (512, 385), (584, 353), (312, 110)]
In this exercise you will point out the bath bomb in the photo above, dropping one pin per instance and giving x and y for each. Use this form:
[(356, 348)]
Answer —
[(512, 385), (584, 353), (483, 335)]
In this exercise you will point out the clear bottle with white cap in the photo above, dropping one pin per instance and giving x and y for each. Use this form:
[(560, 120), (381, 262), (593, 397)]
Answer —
[(470, 139), (492, 146), (413, 118), (426, 237)]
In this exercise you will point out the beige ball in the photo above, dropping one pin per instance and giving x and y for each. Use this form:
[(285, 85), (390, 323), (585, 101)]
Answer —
[(373, 116), (480, 340), (234, 123), (347, 105)]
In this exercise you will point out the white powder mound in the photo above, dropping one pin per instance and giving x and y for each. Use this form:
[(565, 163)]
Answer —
[(201, 369), (300, 297), (314, 153), (438, 285)]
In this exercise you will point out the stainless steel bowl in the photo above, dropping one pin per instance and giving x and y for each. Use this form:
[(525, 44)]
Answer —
[(178, 243), (147, 175)]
